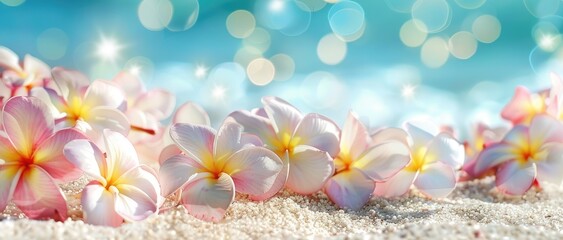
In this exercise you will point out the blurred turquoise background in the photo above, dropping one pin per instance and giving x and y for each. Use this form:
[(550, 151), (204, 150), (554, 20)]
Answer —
[(453, 61)]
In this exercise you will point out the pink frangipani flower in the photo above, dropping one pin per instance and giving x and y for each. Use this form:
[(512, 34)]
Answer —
[(435, 157), (306, 144), (214, 166), (360, 163), (32, 160), (21, 78), (121, 188), (90, 108), (525, 155)]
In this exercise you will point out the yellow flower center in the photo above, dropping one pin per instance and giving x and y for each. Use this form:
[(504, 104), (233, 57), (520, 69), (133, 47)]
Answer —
[(418, 160), (76, 110)]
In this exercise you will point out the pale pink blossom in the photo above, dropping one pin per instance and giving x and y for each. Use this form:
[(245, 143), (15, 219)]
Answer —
[(20, 77)]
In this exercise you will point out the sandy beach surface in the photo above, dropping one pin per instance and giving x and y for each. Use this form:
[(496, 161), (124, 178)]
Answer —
[(473, 211)]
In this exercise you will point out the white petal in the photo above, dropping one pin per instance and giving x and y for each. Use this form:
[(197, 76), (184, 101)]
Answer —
[(320, 132), (175, 172), (355, 138), (98, 206), (514, 178), (384, 160), (445, 149), (190, 112), (309, 168), (207, 197), (396, 185), (195, 140), (436, 180), (283, 115)]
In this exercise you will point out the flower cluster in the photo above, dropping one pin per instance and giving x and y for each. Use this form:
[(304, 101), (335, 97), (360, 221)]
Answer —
[(58, 126)]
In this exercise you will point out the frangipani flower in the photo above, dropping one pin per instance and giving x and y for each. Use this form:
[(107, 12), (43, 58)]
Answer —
[(526, 154), (483, 136), (306, 144), (360, 163), (32, 161), (435, 157), (20, 79), (121, 189), (145, 109), (214, 166), (89, 107), (524, 106)]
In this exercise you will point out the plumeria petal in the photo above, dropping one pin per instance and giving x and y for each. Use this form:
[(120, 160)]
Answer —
[(195, 140), (104, 93), (279, 182), (190, 112), (515, 178), (121, 155), (36, 67), (283, 115), (520, 107), (253, 170), (8, 154), (257, 125), (354, 139), (70, 83), (390, 134), (397, 185), (49, 155), (133, 204), (38, 196), (309, 169), (207, 197), (28, 122), (86, 156), (227, 142), (131, 85), (9, 59), (550, 169), (141, 125), (9, 177), (492, 156), (320, 132), (349, 189), (446, 149), (100, 118), (177, 171), (158, 102), (98, 206), (168, 152), (436, 180), (384, 160), (544, 129), (421, 133)]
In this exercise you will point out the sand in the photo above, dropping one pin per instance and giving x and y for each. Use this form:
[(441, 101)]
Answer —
[(473, 211)]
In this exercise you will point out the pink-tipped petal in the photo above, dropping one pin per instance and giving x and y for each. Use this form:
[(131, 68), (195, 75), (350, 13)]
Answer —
[(168, 152), (192, 113), (9, 59), (397, 185), (38, 196), (520, 108), (515, 178), (9, 177), (37, 68), (390, 134), (98, 206), (445, 149), (354, 139), (284, 116), (544, 129), (100, 118), (257, 125), (158, 103), (104, 93), (279, 182), (550, 168), (28, 122), (195, 140), (133, 204), (131, 85), (309, 169), (253, 170), (175, 172), (492, 156), (120, 153), (421, 133), (227, 141), (350, 189), (86, 156), (320, 132), (207, 197), (384, 160), (49, 155), (70, 83), (436, 180)]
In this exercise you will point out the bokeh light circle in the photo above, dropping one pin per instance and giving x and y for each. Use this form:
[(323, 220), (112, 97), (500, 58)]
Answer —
[(154, 15), (285, 66), (346, 18), (313, 5), (435, 14), (486, 28), (402, 6), (322, 90), (542, 8), (260, 39), (246, 54), (290, 17), (260, 71), (184, 14), (462, 45), (413, 33), (470, 4), (331, 50), (12, 3), (52, 43), (434, 53), (240, 23)]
